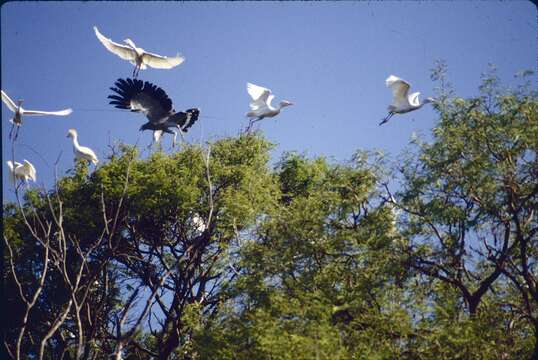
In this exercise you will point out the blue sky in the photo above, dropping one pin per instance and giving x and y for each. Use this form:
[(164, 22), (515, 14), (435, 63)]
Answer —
[(329, 58)]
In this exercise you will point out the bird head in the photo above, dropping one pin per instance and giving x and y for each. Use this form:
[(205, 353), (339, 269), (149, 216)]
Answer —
[(195, 112), (72, 133), (19, 102), (285, 103)]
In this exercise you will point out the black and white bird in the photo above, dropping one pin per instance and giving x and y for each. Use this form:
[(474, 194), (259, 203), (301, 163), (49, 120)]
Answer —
[(260, 106), (154, 103), (20, 112), (139, 57), (402, 102)]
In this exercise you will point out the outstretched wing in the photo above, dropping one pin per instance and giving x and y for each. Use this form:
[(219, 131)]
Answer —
[(63, 112), (399, 89), (123, 51), (9, 103), (413, 99), (258, 93), (31, 170), (144, 97), (162, 62), (186, 119)]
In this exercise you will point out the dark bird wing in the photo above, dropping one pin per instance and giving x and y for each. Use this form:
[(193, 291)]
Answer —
[(185, 119), (144, 97)]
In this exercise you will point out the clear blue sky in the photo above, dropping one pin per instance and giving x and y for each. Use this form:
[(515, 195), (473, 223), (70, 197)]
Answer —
[(329, 58)]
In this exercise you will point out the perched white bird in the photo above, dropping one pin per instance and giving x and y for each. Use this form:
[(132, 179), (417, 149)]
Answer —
[(402, 102), (24, 172), (139, 57), (396, 212), (260, 106), (81, 152), (20, 112), (198, 223)]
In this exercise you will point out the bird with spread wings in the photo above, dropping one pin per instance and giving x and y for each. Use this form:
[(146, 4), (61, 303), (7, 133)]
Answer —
[(154, 103), (137, 56)]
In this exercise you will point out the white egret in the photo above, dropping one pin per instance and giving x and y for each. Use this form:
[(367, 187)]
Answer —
[(402, 102), (81, 152), (20, 112), (154, 103), (139, 57), (260, 106), (24, 172), (198, 223)]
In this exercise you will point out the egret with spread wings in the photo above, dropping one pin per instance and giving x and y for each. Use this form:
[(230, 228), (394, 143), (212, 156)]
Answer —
[(154, 103), (24, 172), (20, 112), (402, 102), (139, 57), (260, 106)]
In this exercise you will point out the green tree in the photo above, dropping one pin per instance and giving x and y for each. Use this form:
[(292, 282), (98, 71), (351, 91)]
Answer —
[(470, 199), (126, 232)]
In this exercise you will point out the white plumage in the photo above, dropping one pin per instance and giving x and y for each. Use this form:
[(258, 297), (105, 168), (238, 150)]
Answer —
[(260, 106), (198, 223), (402, 102), (20, 112), (24, 172), (81, 152), (139, 57)]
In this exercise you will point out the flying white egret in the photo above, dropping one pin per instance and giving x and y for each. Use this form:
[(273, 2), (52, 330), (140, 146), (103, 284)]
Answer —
[(139, 57), (24, 172), (402, 102), (20, 112), (81, 152), (260, 106), (154, 103)]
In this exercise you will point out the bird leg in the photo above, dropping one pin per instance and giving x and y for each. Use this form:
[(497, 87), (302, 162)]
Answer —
[(387, 118), (251, 123), (136, 71), (16, 132), (11, 131), (17, 186), (174, 139), (180, 130)]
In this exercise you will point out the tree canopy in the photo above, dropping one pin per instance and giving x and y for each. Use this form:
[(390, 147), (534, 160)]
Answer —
[(210, 252)]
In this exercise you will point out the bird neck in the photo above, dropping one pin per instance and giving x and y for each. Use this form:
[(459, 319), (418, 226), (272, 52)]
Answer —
[(75, 141), (419, 105)]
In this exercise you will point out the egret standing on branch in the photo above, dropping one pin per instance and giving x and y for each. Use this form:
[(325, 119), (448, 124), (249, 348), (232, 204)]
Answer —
[(81, 152), (402, 102), (260, 106), (154, 103), (22, 172), (139, 57), (20, 112)]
